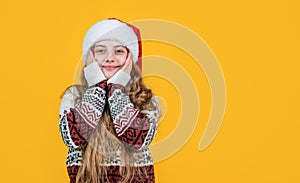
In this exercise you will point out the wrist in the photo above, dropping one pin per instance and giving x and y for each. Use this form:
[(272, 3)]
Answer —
[(121, 77), (93, 74)]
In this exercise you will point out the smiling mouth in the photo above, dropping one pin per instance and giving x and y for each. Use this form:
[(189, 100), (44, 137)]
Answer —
[(110, 67)]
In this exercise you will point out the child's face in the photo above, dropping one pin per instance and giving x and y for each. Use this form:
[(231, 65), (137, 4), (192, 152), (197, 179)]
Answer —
[(110, 55)]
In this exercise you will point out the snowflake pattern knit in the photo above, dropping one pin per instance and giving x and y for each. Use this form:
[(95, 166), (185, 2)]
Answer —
[(133, 127)]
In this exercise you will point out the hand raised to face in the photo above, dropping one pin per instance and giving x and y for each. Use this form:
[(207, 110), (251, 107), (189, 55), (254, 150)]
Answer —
[(90, 58), (128, 64)]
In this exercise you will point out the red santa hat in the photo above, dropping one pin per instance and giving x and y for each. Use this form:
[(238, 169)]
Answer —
[(113, 29)]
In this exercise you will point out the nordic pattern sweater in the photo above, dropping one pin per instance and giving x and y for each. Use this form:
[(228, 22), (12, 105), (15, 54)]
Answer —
[(132, 126)]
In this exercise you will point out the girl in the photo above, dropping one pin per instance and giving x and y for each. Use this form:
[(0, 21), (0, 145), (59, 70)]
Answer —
[(109, 120)]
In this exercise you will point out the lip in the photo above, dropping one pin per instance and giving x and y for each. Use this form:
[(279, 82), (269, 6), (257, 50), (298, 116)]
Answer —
[(110, 67)]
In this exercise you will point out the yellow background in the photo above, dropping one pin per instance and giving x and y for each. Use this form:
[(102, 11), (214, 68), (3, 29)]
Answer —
[(256, 43)]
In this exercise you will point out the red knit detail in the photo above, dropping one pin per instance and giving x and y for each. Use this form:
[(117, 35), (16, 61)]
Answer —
[(79, 129), (133, 136)]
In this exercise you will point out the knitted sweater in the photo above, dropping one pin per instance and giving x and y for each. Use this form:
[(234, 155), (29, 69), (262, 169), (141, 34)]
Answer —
[(134, 127)]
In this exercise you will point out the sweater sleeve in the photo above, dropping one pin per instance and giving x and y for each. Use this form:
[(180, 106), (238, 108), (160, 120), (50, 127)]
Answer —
[(78, 121), (133, 127)]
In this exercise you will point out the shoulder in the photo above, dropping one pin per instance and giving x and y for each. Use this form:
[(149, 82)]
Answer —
[(155, 104), (72, 90), (69, 97), (154, 108), (155, 101)]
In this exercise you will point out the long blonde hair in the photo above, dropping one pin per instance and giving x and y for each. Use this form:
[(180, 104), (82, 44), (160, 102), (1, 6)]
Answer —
[(103, 142)]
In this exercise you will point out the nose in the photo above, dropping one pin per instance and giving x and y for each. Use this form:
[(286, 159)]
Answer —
[(110, 58)]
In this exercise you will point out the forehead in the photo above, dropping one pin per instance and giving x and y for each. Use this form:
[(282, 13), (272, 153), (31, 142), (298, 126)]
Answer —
[(108, 43)]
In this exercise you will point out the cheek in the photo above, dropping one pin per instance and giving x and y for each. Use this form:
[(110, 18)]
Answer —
[(122, 59), (100, 59)]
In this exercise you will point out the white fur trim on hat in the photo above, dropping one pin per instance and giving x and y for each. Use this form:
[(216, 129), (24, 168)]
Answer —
[(111, 30)]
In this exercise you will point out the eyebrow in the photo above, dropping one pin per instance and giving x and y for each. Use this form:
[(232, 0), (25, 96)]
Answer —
[(106, 46)]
